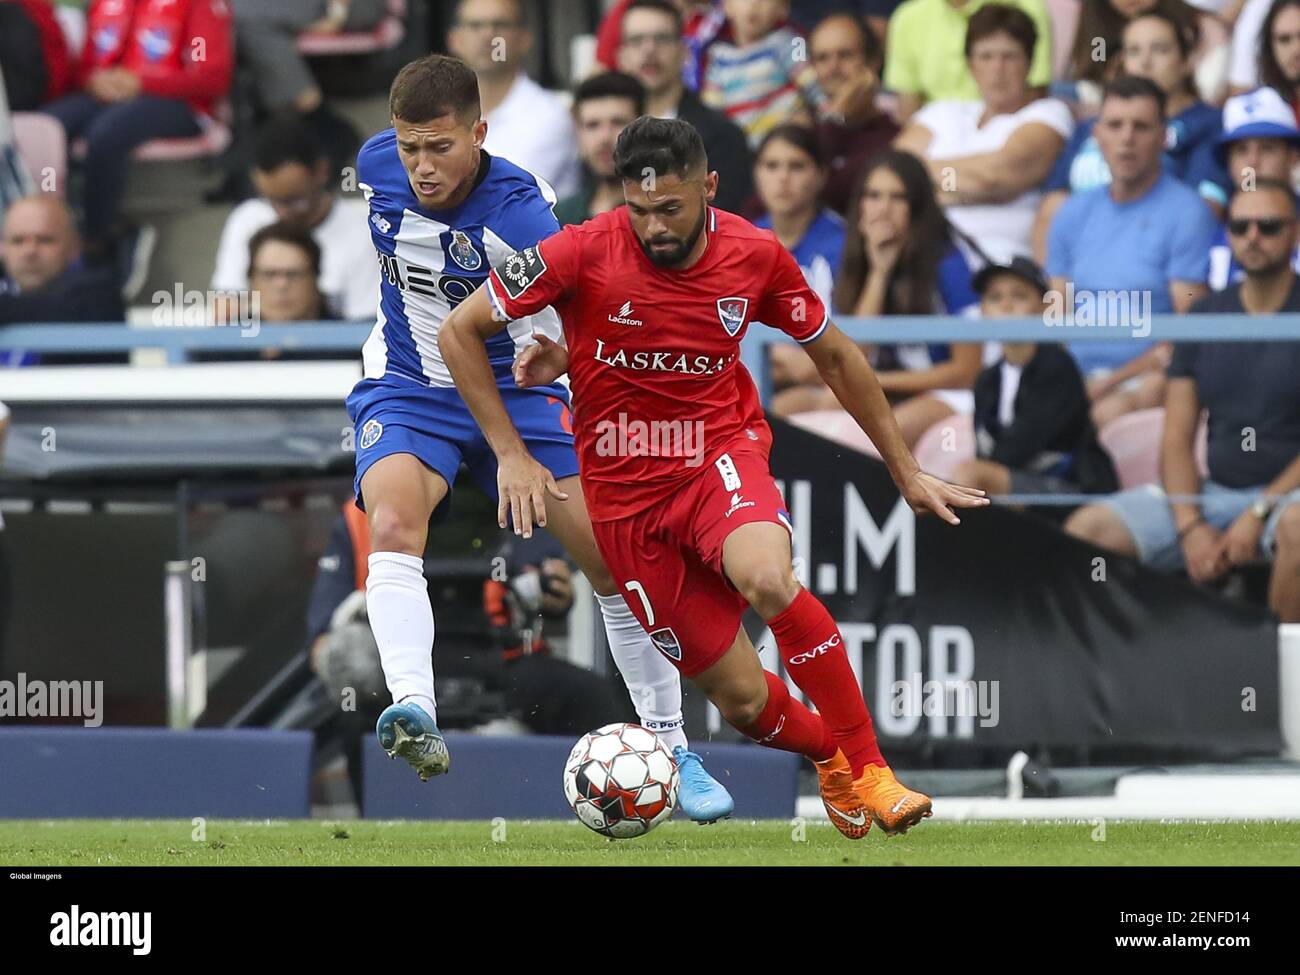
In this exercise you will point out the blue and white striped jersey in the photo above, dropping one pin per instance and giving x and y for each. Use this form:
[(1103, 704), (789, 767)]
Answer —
[(430, 261)]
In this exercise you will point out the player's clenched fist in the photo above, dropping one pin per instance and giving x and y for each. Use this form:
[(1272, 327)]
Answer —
[(542, 363), (522, 486)]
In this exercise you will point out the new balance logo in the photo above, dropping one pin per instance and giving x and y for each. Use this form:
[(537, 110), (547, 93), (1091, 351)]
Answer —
[(623, 316)]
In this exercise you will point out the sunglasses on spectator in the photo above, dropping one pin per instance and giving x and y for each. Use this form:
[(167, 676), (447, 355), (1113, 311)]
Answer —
[(1268, 226)]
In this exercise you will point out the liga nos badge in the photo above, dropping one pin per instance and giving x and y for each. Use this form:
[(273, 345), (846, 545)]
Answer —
[(731, 311)]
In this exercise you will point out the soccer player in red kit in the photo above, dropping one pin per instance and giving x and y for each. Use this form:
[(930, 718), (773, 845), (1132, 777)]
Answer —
[(673, 448)]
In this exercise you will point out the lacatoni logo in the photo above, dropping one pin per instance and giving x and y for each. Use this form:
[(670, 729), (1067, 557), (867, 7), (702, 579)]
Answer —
[(623, 317), (102, 929), (698, 365), (53, 699), (737, 502), (815, 652)]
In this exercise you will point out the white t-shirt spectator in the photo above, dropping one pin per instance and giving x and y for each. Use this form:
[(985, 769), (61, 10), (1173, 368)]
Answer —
[(1243, 68), (349, 273), (532, 128), (999, 228)]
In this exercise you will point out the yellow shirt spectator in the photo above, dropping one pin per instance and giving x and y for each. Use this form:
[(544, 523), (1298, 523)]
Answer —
[(926, 60)]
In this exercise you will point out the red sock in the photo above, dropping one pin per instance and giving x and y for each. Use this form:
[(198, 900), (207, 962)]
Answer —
[(814, 655), (788, 725)]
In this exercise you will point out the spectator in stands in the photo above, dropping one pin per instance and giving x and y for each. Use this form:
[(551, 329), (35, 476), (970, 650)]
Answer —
[(653, 51), (1033, 434), (1249, 506), (809, 13), (701, 22), (1247, 26), (284, 264), (790, 174), (847, 56), (901, 258), (267, 34), (1158, 47), (989, 157), (1137, 246), (1100, 34), (294, 184), (44, 277), (151, 69), (1279, 51), (1260, 141), (526, 123), (924, 51), (35, 59), (603, 105), (756, 70)]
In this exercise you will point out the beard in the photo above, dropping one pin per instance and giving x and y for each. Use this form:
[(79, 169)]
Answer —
[(681, 246)]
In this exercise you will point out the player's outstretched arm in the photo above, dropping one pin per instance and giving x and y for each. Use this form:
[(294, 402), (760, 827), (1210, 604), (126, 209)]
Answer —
[(848, 374), (522, 483)]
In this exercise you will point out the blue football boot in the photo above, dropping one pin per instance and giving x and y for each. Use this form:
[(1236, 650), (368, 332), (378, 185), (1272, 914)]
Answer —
[(406, 730), (701, 796)]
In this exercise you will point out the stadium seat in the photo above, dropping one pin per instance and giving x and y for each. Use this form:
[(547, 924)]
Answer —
[(42, 145), (835, 425), (945, 445), (385, 35), (1133, 442)]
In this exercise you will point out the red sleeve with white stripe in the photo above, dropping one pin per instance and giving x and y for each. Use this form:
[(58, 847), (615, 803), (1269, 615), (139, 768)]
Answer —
[(533, 278), (789, 303)]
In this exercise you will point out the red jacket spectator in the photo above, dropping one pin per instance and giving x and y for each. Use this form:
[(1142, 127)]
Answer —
[(54, 48), (178, 48)]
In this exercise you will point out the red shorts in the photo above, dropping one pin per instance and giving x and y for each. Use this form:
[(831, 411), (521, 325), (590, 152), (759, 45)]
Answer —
[(667, 558)]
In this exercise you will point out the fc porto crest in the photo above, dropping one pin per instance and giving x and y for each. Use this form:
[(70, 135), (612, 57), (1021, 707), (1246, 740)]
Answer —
[(666, 640), (462, 251), (731, 312), (371, 433)]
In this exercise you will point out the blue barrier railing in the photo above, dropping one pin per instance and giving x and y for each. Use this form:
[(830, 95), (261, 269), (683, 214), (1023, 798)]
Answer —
[(181, 342)]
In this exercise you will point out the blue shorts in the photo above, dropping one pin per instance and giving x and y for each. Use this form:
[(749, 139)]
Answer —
[(1146, 514), (434, 424)]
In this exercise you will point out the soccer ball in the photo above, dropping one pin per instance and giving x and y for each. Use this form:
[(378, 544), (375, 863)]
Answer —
[(621, 781)]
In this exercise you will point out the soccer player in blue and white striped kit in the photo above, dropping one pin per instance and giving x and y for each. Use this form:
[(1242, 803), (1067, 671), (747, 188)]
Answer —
[(442, 213)]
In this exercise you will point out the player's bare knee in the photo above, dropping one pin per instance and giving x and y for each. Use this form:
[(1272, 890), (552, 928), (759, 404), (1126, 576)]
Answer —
[(742, 710), (390, 531), (769, 588)]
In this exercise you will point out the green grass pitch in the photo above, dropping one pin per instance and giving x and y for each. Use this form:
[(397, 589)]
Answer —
[(554, 843)]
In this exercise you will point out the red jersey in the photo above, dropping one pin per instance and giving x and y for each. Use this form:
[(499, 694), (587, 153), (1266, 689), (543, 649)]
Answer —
[(658, 386), (178, 48)]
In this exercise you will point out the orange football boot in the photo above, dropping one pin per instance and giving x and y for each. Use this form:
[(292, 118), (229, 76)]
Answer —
[(841, 798), (894, 807)]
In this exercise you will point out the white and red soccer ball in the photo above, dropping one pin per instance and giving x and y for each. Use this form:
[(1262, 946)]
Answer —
[(621, 780)]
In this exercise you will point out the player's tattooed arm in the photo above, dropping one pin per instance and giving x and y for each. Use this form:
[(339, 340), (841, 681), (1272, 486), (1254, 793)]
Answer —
[(848, 374), (522, 483)]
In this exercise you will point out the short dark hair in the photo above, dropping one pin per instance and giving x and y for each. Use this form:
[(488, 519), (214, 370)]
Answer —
[(1131, 86), (611, 84), (521, 8), (433, 86), (998, 18), (285, 233), (873, 51), (663, 6), (286, 139), (665, 146), (1264, 183), (799, 136)]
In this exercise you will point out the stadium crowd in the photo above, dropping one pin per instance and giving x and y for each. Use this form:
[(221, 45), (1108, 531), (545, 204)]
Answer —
[(961, 157)]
